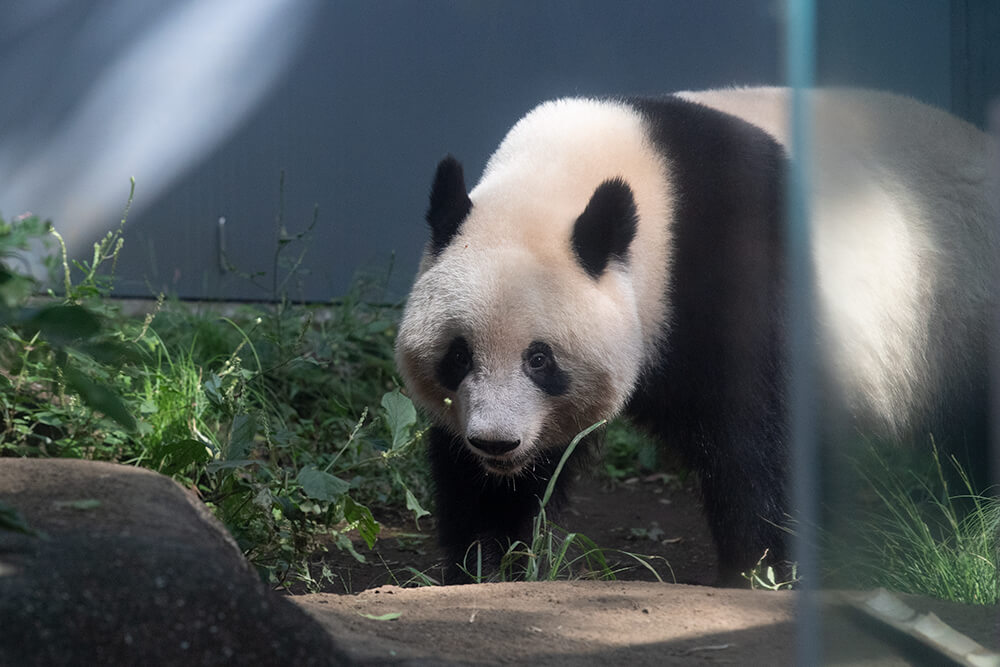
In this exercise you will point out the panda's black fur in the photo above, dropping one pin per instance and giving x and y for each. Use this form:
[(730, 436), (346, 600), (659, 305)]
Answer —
[(717, 392), (713, 385)]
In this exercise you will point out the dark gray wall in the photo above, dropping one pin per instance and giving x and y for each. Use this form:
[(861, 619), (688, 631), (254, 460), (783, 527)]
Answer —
[(897, 45), (381, 91), (375, 93)]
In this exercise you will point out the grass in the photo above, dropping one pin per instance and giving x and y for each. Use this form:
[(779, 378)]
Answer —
[(288, 424), (921, 536), (552, 553)]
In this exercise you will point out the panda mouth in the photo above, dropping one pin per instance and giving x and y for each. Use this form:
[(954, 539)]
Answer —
[(502, 466)]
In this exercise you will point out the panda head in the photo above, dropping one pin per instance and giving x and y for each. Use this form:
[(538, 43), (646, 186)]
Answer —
[(522, 327)]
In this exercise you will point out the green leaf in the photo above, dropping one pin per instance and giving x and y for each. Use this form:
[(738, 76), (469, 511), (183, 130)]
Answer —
[(320, 485), (562, 461), (61, 325), (14, 291), (391, 616), (11, 519), (99, 397), (344, 543), (216, 466), (241, 437), (361, 517), (400, 415), (378, 326), (412, 503), (109, 352), (213, 389), (48, 418), (177, 455), (264, 498), (414, 506)]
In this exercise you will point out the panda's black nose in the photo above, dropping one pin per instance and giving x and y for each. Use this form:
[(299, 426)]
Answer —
[(494, 447)]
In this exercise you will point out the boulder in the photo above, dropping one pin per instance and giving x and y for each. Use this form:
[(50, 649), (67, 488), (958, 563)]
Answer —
[(127, 567)]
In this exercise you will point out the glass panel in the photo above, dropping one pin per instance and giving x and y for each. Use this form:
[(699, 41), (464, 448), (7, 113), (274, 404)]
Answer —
[(892, 167), (806, 496)]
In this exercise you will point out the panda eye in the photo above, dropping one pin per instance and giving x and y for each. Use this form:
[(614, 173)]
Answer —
[(537, 361), (540, 365), (459, 357), (455, 364)]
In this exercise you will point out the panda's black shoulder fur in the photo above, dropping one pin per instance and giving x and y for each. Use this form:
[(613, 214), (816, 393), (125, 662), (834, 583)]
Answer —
[(716, 391), (726, 277)]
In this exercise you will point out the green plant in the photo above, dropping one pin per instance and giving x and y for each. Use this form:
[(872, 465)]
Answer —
[(920, 537), (16, 286), (92, 283), (269, 470), (284, 269), (287, 419), (625, 452), (551, 552), (59, 354), (764, 576)]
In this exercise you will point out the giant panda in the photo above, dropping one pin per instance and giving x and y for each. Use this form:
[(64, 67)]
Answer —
[(628, 255)]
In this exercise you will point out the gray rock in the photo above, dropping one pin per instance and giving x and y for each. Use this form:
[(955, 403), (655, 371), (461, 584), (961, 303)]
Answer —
[(129, 568)]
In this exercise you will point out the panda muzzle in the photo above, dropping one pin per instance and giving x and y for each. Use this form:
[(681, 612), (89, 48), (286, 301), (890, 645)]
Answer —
[(494, 447)]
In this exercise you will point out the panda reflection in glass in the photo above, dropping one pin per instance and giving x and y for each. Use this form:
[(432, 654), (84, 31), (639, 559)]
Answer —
[(627, 256)]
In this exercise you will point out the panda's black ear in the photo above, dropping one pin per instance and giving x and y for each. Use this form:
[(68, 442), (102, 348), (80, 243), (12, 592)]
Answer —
[(450, 203), (606, 227)]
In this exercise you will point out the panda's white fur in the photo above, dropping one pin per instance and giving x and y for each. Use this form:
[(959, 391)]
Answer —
[(902, 227), (904, 240)]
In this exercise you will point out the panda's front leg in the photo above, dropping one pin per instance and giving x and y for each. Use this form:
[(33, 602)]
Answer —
[(479, 514), (743, 490)]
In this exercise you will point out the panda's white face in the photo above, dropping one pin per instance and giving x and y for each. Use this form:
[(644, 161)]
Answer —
[(517, 355), (541, 293)]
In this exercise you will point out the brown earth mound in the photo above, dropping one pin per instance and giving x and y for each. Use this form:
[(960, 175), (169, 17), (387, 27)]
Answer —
[(127, 568), (616, 623)]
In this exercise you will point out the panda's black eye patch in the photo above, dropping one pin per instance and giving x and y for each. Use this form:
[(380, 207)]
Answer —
[(540, 365), (455, 364)]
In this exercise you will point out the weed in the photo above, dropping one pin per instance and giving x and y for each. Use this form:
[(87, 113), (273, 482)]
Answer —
[(764, 576), (287, 423), (551, 552), (625, 453), (59, 355), (920, 537)]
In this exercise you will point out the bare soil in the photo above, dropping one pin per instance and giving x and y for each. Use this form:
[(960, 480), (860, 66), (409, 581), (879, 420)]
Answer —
[(657, 517), (583, 623), (635, 620)]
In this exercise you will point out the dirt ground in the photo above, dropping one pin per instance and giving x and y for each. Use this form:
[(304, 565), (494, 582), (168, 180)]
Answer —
[(583, 623), (657, 516), (129, 568), (633, 620)]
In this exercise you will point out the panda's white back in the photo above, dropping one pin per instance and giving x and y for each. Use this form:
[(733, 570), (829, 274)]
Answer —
[(904, 235)]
